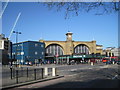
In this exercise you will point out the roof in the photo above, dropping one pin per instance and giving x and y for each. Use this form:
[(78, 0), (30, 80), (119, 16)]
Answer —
[(98, 45), (28, 41)]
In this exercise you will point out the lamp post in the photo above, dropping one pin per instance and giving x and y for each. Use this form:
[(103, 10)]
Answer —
[(16, 32)]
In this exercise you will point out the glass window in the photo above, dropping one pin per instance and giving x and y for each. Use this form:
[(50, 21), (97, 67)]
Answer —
[(81, 49), (22, 53), (13, 53), (36, 45), (20, 44), (42, 45), (18, 53), (36, 53), (42, 53), (54, 49)]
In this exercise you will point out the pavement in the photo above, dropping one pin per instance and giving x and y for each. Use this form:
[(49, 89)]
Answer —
[(81, 76), (31, 82)]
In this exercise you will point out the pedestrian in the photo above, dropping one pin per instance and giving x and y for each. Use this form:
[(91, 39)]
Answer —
[(54, 62)]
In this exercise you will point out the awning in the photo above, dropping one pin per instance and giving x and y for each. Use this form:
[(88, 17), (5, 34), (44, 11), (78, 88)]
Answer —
[(80, 56)]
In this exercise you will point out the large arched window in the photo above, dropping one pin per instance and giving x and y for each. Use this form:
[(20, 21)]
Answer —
[(81, 49), (54, 49)]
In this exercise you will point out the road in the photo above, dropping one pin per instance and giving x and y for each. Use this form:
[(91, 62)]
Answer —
[(82, 76), (62, 69)]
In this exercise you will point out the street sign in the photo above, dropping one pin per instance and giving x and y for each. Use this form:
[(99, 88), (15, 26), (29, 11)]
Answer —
[(79, 56)]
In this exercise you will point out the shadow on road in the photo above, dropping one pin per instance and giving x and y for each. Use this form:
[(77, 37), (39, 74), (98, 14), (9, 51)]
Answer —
[(97, 83)]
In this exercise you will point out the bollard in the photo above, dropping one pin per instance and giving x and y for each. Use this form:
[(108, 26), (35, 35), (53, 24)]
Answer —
[(21, 71), (53, 71), (27, 72), (35, 73), (42, 73), (11, 72), (113, 62), (46, 71), (17, 76), (92, 63)]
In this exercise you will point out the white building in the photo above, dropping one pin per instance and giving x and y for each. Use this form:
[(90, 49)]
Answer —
[(5, 49), (111, 51), (116, 51)]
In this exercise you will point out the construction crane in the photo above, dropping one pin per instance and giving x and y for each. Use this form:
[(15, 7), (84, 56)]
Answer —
[(4, 9), (14, 24), (12, 31)]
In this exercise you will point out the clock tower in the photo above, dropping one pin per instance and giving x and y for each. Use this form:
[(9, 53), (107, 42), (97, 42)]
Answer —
[(69, 43), (69, 36)]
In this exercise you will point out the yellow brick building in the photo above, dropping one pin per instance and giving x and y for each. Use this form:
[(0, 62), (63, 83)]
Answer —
[(70, 47)]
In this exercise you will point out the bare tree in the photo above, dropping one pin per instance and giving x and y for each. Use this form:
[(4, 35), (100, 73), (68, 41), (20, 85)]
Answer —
[(75, 8)]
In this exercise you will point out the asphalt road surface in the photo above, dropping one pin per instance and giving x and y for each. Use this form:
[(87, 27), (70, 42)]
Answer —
[(82, 76)]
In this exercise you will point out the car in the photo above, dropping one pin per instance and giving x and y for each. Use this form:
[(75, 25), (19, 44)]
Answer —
[(104, 60), (108, 62), (118, 62), (28, 63), (72, 62)]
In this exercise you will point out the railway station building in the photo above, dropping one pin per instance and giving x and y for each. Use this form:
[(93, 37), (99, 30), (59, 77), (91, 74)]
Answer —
[(71, 48)]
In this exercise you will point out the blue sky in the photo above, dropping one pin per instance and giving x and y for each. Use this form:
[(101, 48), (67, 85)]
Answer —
[(37, 22)]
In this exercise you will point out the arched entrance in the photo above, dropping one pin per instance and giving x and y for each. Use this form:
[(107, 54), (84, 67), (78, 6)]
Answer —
[(54, 49), (81, 49), (52, 52)]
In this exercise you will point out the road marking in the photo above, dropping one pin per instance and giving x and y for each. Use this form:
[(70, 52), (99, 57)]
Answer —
[(104, 66), (89, 68), (72, 74), (115, 77), (73, 70)]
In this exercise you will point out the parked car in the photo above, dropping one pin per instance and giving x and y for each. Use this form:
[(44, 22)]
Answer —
[(118, 62), (28, 63), (108, 62), (104, 60), (72, 62)]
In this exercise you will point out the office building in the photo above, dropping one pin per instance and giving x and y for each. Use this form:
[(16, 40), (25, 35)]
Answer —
[(28, 51)]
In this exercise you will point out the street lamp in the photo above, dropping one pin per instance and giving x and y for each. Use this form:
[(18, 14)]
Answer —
[(16, 41), (17, 35)]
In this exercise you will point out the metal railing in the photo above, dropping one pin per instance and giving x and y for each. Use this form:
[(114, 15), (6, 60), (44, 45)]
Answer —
[(20, 75)]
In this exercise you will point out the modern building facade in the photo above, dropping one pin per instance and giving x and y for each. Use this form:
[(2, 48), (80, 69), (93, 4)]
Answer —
[(5, 49), (28, 51), (70, 47)]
